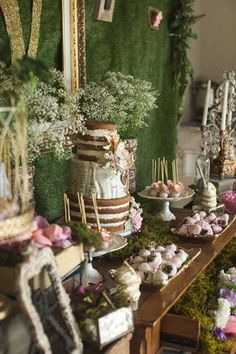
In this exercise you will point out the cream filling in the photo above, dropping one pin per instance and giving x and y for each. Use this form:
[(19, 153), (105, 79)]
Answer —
[(92, 142), (102, 207), (105, 216), (100, 132), (114, 224), (95, 153)]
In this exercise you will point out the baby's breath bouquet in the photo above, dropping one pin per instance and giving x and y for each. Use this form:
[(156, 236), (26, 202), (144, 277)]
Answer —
[(122, 99), (52, 112)]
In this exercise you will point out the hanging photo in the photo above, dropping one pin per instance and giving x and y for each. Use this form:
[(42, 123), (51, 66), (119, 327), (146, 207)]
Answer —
[(155, 17)]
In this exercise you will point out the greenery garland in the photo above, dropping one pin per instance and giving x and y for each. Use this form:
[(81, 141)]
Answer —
[(182, 35)]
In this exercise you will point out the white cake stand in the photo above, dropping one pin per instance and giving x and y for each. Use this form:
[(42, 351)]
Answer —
[(91, 275), (165, 214)]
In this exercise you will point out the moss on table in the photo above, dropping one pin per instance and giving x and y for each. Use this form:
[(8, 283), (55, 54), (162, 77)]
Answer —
[(201, 299)]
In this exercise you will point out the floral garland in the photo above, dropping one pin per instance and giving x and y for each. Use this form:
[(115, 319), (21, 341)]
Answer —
[(182, 35), (225, 316), (201, 298)]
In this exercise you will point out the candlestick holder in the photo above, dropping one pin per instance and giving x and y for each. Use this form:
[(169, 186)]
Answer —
[(218, 134)]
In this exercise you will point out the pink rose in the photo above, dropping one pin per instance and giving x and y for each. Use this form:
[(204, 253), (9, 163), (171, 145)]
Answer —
[(137, 221)]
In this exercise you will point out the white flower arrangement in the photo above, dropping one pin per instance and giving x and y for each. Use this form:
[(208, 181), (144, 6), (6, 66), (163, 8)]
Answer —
[(134, 222), (223, 312), (52, 112), (121, 99), (225, 315)]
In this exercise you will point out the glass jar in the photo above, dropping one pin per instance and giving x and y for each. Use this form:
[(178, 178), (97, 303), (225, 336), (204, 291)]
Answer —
[(204, 162)]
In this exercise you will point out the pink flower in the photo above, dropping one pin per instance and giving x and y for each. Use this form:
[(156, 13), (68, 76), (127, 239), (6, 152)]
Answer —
[(137, 221), (81, 290), (40, 239), (231, 325), (62, 244), (46, 235), (41, 222)]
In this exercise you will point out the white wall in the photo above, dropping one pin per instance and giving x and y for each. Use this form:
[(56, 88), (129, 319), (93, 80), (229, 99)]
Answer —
[(211, 54), (215, 49)]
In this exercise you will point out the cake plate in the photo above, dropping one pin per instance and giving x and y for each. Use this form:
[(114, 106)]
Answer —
[(165, 214), (91, 275)]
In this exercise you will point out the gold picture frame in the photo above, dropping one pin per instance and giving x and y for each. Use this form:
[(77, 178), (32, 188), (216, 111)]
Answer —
[(73, 40)]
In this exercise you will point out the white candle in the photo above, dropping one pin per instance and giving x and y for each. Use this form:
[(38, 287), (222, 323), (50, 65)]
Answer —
[(207, 98), (224, 108), (229, 120)]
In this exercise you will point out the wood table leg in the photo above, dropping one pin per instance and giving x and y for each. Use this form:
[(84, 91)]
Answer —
[(146, 340)]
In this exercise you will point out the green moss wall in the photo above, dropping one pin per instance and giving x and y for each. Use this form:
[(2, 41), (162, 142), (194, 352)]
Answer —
[(128, 45)]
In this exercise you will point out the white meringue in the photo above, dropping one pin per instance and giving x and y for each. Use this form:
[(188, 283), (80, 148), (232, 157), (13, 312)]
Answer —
[(145, 267), (138, 259), (172, 247), (144, 253), (160, 278), (177, 261)]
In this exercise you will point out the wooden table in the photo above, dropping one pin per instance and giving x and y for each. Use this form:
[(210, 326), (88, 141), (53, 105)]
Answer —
[(154, 304)]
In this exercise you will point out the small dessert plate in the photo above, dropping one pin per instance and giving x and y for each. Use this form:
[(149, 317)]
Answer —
[(116, 244)]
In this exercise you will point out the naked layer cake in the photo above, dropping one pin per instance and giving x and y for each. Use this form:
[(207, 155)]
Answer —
[(100, 167)]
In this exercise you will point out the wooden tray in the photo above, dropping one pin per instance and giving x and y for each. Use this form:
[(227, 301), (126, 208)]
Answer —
[(197, 238), (193, 253)]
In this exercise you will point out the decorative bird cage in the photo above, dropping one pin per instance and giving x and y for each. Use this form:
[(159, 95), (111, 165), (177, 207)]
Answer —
[(16, 214)]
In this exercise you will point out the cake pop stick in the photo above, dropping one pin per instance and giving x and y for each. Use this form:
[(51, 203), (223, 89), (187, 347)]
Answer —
[(65, 207), (173, 172), (96, 212), (80, 207), (166, 169), (162, 171), (158, 169), (177, 170), (68, 208), (155, 170), (202, 175), (83, 208)]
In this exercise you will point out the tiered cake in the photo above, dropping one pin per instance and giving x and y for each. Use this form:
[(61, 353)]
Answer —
[(100, 167)]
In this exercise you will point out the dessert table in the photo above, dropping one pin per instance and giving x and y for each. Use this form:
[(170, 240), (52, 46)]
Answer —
[(152, 317)]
